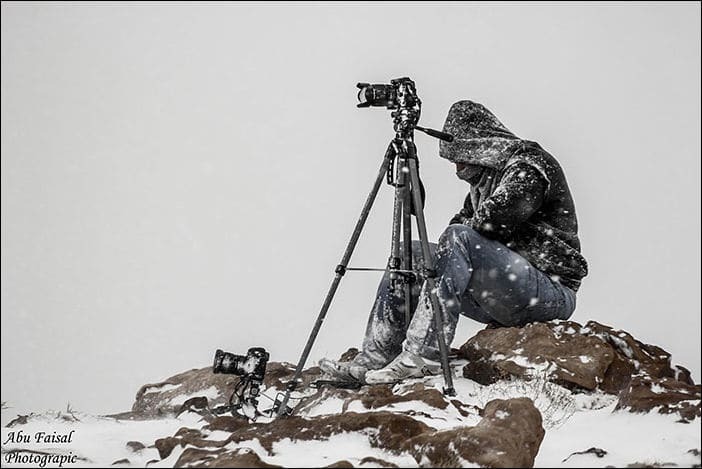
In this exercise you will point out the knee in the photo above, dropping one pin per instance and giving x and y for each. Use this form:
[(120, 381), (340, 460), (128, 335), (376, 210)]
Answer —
[(457, 234)]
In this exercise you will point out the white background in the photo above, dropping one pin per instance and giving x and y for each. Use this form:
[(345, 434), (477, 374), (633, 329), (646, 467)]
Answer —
[(181, 178)]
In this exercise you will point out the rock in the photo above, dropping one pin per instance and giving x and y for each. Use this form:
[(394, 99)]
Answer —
[(241, 457), (509, 435), (376, 462), (555, 349), (645, 359), (226, 423), (278, 375), (667, 394), (594, 356), (384, 429), (599, 452), (683, 374), (382, 395), (183, 437), (135, 446), (167, 397), (342, 463), (194, 404), (19, 420), (197, 389)]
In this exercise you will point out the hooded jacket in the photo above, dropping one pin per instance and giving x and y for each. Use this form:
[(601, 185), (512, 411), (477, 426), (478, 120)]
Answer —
[(519, 194)]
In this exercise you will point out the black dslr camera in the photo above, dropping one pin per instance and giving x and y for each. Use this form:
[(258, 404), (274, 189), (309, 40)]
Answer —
[(401, 92), (400, 96), (253, 364), (251, 368)]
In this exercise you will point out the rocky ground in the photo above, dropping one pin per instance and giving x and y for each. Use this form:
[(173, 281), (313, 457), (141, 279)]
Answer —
[(558, 394)]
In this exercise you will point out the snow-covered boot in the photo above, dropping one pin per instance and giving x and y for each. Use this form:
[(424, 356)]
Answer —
[(405, 365), (343, 371)]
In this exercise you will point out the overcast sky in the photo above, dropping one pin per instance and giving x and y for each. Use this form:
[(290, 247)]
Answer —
[(177, 179)]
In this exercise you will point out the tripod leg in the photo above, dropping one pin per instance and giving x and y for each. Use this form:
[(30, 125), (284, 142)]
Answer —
[(407, 251), (400, 184), (340, 271), (430, 265)]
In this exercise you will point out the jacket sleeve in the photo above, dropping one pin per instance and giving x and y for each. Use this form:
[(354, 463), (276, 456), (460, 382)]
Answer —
[(519, 194), (463, 217)]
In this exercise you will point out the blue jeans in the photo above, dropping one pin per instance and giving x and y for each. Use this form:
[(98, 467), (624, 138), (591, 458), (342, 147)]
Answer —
[(477, 277)]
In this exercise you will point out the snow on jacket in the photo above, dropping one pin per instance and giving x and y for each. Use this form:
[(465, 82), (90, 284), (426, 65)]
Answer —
[(519, 194)]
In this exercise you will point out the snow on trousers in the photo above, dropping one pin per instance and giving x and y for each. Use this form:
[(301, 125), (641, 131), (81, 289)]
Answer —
[(477, 277)]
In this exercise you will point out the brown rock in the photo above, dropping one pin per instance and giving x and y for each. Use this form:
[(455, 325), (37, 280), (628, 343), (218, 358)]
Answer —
[(19, 420), (377, 462), (382, 395), (555, 349), (135, 446), (184, 437), (154, 400), (509, 435), (193, 404), (385, 429), (278, 375), (618, 375), (389, 430), (481, 370), (343, 463), (226, 423), (667, 394), (165, 446), (241, 457), (682, 374), (646, 359)]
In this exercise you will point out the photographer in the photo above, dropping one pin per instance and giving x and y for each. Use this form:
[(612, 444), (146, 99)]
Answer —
[(510, 256)]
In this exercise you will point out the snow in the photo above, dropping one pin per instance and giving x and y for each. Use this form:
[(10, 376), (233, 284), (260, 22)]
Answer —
[(161, 388), (627, 438), (657, 388), (345, 446), (101, 440), (573, 422), (210, 393)]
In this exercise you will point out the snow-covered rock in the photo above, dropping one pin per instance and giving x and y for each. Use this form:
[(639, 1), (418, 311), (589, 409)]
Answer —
[(587, 357), (545, 395)]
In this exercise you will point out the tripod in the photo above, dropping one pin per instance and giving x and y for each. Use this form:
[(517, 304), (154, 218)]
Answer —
[(401, 169)]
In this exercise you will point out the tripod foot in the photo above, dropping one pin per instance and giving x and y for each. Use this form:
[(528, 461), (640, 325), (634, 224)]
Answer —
[(451, 392)]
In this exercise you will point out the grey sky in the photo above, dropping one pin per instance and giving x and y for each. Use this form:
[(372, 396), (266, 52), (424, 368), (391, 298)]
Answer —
[(177, 179)]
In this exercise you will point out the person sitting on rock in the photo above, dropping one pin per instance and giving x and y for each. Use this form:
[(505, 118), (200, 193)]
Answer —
[(510, 256)]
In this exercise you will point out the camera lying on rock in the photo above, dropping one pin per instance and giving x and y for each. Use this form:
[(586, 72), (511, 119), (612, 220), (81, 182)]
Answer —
[(251, 368), (253, 363)]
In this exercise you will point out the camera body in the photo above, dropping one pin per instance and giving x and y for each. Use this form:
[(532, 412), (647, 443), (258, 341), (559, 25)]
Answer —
[(251, 368), (252, 365), (400, 96), (400, 93)]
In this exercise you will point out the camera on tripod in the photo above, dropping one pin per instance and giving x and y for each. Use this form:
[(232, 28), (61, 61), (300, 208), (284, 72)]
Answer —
[(400, 167), (400, 96), (401, 92)]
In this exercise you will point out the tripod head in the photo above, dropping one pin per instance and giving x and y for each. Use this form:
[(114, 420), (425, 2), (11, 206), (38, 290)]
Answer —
[(400, 96)]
